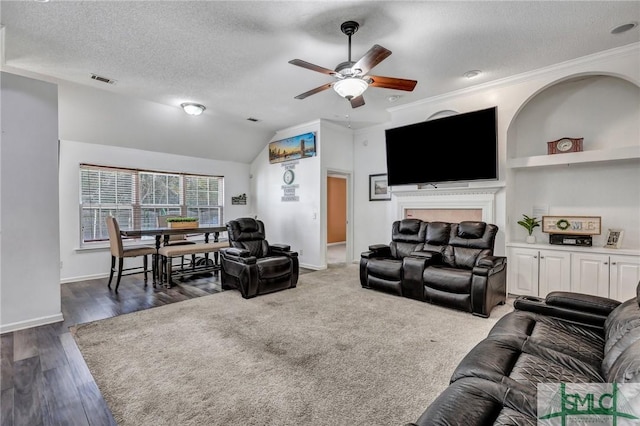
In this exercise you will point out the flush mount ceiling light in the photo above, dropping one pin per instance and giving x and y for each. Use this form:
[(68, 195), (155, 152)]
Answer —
[(193, 108), (350, 87), (472, 74), (624, 28)]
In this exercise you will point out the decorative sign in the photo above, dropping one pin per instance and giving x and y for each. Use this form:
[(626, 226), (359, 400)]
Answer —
[(289, 188), (574, 225), (301, 146), (240, 200)]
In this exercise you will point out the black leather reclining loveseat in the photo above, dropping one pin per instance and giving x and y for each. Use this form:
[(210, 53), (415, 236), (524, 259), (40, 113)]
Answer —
[(449, 264), (566, 338)]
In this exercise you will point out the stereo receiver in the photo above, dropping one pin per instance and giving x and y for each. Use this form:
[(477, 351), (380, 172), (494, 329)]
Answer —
[(570, 240)]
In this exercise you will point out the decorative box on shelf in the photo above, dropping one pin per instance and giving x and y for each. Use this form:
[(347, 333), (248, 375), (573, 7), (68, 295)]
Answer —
[(183, 223)]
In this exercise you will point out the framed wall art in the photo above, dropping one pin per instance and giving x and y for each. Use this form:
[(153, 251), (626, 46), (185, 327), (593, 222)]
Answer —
[(614, 238), (295, 148), (378, 188), (573, 225)]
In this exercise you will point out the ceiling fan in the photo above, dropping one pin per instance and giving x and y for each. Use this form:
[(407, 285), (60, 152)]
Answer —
[(352, 78)]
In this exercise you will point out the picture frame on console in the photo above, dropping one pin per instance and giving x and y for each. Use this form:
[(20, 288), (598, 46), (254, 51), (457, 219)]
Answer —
[(614, 238), (379, 188)]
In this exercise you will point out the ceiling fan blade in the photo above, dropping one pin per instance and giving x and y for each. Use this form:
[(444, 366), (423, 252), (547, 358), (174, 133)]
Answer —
[(312, 67), (356, 102), (392, 83), (314, 91), (373, 57)]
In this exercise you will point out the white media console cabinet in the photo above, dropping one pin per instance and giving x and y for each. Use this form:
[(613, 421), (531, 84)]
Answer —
[(537, 269)]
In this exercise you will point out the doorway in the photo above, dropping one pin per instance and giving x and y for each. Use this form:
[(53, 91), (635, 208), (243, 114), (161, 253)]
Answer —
[(337, 218)]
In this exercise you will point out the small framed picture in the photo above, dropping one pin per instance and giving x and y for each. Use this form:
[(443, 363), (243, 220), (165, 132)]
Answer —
[(614, 238), (378, 188)]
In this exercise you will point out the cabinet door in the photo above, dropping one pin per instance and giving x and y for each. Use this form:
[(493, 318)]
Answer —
[(522, 272), (624, 275), (555, 271), (590, 274)]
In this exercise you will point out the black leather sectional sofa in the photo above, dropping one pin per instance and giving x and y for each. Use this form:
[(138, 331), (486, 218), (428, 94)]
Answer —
[(450, 264), (566, 338)]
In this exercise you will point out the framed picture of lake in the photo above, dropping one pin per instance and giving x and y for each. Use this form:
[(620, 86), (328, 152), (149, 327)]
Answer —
[(294, 148), (378, 188)]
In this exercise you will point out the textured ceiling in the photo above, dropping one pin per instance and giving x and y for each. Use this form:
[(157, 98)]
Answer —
[(232, 55)]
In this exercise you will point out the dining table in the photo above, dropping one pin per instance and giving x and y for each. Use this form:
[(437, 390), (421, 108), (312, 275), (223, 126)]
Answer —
[(162, 235)]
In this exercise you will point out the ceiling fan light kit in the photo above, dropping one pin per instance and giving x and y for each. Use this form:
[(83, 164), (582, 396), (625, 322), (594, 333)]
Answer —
[(352, 77), (350, 87)]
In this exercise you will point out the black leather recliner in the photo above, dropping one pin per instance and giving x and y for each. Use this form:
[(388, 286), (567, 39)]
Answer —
[(381, 267), (466, 275), (252, 265), (565, 338), (450, 264)]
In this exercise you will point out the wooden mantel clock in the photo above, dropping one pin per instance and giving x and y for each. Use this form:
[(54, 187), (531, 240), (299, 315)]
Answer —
[(564, 145)]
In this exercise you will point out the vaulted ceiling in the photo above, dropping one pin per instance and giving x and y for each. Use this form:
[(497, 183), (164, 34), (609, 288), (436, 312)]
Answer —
[(232, 56)]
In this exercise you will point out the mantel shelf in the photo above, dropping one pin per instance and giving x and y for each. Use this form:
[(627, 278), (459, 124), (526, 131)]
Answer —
[(595, 156)]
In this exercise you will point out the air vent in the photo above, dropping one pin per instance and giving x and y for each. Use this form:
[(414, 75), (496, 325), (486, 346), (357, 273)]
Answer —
[(255, 120), (102, 79)]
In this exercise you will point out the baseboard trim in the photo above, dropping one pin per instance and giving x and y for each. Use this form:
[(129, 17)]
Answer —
[(313, 267), (83, 278), (34, 322)]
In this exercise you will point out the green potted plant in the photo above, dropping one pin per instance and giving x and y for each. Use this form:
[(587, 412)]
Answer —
[(529, 223), (183, 222)]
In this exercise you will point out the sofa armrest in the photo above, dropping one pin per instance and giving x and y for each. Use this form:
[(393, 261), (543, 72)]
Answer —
[(576, 307), (582, 302), (282, 250), (377, 250), (239, 255), (489, 265), (431, 257)]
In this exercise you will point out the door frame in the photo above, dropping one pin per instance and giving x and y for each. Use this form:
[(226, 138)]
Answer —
[(348, 176)]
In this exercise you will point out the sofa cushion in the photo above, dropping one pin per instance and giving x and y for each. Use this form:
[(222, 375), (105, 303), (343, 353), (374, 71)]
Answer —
[(408, 231), (481, 402), (462, 257), (389, 269), (584, 343), (622, 329), (626, 369), (451, 280), (471, 229), (273, 267)]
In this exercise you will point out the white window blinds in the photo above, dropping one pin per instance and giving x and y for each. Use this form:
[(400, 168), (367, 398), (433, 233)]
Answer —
[(137, 197)]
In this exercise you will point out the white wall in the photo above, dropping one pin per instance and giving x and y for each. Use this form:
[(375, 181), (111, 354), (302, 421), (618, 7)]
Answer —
[(296, 223), (29, 232), (373, 219), (605, 111), (86, 264), (337, 156), (98, 116)]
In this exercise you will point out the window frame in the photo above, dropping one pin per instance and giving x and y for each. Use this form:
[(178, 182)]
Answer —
[(137, 207)]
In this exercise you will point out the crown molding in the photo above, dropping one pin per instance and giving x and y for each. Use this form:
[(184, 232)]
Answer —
[(629, 49)]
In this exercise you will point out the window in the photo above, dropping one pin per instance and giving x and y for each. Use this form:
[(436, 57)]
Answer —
[(137, 197)]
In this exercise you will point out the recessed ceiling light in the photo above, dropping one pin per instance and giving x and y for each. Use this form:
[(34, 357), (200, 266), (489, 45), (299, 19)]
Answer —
[(472, 74), (624, 28), (393, 98), (42, 1)]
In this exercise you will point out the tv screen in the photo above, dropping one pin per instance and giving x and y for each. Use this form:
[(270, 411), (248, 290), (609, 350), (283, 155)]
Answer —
[(461, 147)]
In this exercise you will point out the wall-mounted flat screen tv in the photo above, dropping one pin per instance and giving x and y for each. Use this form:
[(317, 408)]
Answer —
[(458, 148)]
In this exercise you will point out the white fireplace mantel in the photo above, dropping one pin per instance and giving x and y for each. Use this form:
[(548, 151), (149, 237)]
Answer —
[(453, 198)]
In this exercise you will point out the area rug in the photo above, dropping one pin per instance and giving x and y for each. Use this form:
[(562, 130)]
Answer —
[(325, 353)]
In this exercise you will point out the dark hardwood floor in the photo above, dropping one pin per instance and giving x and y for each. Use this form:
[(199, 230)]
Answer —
[(44, 379)]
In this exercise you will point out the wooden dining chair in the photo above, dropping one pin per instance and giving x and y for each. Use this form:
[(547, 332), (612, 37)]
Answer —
[(119, 252)]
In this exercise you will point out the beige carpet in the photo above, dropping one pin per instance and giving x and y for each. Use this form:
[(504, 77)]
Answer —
[(326, 353)]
